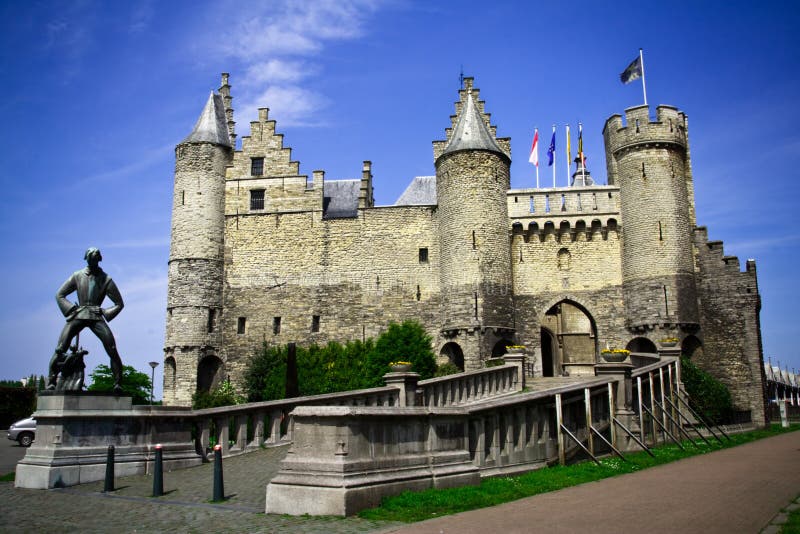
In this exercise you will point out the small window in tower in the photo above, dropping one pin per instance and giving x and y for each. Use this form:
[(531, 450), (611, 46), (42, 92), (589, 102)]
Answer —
[(533, 208), (183, 197), (315, 323), (241, 325), (660, 232), (276, 325), (594, 201), (516, 200), (256, 199), (474, 241), (419, 293), (423, 255), (212, 320), (547, 203), (563, 203), (256, 166), (580, 206)]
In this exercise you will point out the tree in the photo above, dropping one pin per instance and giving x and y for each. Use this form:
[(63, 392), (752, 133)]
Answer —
[(223, 395), (707, 395), (265, 377), (407, 342), (134, 384)]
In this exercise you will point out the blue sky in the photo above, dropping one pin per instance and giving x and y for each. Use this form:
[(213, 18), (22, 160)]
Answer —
[(97, 95)]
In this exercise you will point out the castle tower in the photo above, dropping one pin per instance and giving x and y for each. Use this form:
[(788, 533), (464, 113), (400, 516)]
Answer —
[(649, 161), (472, 178), (192, 357)]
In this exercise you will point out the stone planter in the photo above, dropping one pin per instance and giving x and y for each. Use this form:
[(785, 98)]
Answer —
[(668, 344), (614, 357), (400, 368)]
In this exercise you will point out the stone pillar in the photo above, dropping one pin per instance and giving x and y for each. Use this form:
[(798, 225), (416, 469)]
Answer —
[(406, 382), (517, 359), (623, 401)]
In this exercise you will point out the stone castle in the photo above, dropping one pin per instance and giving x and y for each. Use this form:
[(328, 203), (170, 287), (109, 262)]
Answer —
[(260, 253)]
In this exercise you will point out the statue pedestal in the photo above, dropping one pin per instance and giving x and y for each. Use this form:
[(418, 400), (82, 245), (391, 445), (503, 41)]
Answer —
[(74, 430)]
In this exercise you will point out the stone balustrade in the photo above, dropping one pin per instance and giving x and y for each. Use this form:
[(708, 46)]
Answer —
[(472, 386)]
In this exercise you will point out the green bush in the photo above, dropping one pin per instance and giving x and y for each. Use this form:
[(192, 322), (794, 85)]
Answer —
[(223, 395), (407, 342), (134, 384), (446, 369), (708, 396), (265, 377)]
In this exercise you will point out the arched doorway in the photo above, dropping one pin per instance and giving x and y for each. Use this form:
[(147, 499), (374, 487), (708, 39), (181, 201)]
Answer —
[(500, 347), (548, 354), (572, 335), (691, 347), (454, 354), (641, 344), (209, 373)]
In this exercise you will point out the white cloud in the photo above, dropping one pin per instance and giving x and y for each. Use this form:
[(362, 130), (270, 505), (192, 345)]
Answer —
[(277, 44)]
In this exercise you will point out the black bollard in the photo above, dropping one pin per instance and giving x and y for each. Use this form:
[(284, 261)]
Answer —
[(219, 487), (109, 484), (158, 473)]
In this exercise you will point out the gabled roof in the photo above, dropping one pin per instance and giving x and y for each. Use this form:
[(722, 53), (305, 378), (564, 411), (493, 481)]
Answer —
[(470, 132), (420, 192), (340, 198), (212, 126)]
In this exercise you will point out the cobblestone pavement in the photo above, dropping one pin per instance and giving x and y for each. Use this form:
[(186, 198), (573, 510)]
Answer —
[(185, 507)]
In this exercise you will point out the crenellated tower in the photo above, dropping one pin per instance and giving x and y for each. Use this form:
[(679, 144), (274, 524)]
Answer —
[(192, 350), (472, 178), (649, 161)]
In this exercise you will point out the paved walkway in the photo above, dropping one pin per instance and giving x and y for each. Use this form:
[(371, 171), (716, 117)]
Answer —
[(735, 490), (738, 490)]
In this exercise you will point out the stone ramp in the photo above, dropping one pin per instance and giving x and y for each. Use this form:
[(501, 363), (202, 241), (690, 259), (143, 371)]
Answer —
[(733, 490)]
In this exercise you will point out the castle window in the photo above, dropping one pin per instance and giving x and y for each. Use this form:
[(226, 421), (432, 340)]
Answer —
[(211, 320), (660, 232), (516, 200), (276, 325), (423, 255), (580, 206), (564, 258), (474, 241), (256, 166), (533, 209), (547, 203), (183, 197), (256, 199), (315, 323), (241, 324), (594, 201), (563, 203), (419, 293)]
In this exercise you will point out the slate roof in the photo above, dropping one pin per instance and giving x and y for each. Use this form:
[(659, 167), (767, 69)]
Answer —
[(471, 133), (420, 192), (340, 198), (212, 126)]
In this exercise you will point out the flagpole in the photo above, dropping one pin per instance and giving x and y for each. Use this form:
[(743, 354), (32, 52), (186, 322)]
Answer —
[(568, 155), (644, 86), (554, 160), (583, 158)]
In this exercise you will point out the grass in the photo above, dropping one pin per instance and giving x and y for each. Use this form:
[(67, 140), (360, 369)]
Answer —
[(792, 526), (418, 506)]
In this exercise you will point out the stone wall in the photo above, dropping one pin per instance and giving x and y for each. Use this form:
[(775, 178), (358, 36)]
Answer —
[(731, 335)]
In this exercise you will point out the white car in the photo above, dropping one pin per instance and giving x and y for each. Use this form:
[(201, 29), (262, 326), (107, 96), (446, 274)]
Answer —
[(23, 431)]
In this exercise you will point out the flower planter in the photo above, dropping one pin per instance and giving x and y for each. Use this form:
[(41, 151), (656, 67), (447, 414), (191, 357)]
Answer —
[(668, 343), (614, 357), (400, 368)]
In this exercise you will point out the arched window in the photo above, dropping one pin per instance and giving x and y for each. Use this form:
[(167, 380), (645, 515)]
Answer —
[(454, 354)]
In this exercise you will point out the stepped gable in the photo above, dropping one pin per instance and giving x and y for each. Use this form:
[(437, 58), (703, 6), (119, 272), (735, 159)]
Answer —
[(340, 199), (420, 192), (212, 126)]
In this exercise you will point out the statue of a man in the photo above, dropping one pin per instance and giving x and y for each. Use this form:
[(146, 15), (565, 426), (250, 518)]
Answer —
[(93, 286)]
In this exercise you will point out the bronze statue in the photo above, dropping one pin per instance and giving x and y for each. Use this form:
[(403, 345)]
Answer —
[(93, 286)]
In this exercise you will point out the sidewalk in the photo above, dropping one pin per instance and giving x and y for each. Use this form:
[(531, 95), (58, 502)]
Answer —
[(733, 490)]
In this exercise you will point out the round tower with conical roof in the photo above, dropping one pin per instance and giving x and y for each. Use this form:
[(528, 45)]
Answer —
[(649, 161), (472, 179), (192, 348)]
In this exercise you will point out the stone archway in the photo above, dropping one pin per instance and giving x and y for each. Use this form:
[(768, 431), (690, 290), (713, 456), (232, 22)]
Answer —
[(574, 338), (209, 373), (692, 348), (641, 344), (500, 347), (452, 351)]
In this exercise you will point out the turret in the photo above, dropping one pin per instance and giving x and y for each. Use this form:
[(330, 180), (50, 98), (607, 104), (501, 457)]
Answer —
[(649, 161), (192, 351), (472, 178)]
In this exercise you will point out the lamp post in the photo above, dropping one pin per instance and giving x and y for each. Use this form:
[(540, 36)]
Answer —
[(153, 366)]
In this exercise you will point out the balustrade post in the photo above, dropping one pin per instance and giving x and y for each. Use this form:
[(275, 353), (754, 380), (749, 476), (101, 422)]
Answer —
[(622, 399), (562, 459), (518, 361), (275, 420), (406, 383), (241, 432), (203, 436), (258, 429), (222, 433), (641, 412), (587, 399)]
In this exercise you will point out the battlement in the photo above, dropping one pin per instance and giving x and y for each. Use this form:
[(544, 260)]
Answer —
[(669, 128), (712, 254)]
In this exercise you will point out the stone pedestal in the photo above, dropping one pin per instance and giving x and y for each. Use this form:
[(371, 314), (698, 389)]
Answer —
[(74, 430), (406, 382), (517, 359), (623, 402)]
